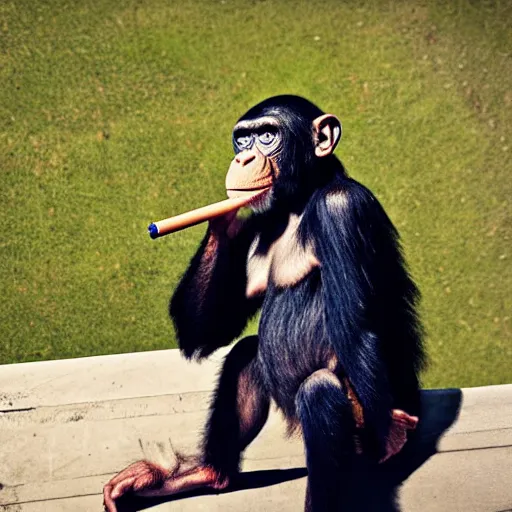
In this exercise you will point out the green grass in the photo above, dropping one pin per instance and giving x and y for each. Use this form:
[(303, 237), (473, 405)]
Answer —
[(115, 114)]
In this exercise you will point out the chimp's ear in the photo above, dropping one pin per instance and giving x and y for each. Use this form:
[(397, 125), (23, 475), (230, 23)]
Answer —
[(327, 133)]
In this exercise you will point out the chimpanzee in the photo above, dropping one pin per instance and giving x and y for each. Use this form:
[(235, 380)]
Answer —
[(339, 346)]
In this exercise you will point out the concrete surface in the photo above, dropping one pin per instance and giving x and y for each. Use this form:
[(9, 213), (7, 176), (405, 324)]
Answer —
[(67, 426)]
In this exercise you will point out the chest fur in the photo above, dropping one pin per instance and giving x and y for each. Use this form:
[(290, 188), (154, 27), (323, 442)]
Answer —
[(286, 262)]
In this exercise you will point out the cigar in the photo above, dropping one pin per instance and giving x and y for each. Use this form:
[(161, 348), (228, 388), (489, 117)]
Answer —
[(193, 217)]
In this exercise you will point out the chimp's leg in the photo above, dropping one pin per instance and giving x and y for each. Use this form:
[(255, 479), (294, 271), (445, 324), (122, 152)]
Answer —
[(239, 410), (327, 424), (237, 414)]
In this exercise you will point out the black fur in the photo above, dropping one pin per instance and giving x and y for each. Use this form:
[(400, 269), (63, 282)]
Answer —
[(327, 425), (358, 308), (369, 300), (209, 307), (225, 438)]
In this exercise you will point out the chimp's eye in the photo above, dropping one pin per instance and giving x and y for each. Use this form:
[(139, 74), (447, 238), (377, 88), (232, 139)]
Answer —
[(244, 141), (266, 137)]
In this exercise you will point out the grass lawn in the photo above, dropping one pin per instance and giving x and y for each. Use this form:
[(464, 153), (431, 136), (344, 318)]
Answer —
[(116, 114)]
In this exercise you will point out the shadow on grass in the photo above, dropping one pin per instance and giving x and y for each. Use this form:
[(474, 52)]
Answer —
[(379, 485)]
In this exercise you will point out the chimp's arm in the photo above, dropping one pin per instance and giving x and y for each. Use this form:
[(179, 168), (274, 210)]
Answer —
[(209, 307), (370, 303)]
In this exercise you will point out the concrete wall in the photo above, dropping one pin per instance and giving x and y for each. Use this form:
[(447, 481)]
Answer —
[(67, 426)]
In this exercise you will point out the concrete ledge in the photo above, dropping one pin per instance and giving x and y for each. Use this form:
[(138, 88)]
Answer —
[(67, 426)]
